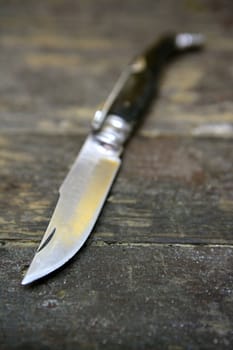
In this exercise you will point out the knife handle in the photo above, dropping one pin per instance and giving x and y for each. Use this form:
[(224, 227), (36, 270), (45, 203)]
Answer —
[(138, 85)]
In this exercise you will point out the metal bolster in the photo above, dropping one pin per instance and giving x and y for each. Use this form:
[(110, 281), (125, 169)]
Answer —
[(189, 40), (114, 132)]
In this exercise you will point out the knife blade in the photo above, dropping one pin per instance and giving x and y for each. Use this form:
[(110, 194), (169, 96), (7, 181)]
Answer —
[(86, 186)]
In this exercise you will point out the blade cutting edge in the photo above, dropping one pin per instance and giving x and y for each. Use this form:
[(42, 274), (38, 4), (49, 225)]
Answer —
[(82, 196)]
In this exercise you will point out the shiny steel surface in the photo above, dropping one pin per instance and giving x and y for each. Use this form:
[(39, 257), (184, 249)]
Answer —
[(82, 196)]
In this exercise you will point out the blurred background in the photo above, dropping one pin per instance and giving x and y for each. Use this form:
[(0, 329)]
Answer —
[(59, 60)]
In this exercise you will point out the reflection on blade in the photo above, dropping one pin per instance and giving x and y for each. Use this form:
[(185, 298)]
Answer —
[(82, 196)]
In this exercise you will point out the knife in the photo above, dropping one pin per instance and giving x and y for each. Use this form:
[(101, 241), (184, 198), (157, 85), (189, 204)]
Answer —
[(85, 188)]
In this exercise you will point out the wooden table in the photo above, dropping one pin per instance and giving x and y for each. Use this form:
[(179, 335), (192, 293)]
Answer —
[(156, 273)]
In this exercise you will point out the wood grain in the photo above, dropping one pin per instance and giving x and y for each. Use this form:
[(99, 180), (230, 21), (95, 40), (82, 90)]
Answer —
[(156, 273), (169, 189), (68, 62), (121, 296)]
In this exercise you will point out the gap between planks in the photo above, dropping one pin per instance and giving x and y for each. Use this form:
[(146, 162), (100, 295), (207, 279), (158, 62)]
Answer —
[(102, 243)]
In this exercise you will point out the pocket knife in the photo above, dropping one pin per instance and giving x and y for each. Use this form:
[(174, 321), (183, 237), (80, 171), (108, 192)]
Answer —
[(86, 186)]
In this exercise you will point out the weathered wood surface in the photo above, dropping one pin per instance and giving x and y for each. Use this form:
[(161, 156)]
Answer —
[(156, 272), (169, 189), (59, 61), (121, 296)]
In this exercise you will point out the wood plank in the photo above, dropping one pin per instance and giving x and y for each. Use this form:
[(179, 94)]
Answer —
[(157, 271), (121, 296), (54, 76), (168, 189)]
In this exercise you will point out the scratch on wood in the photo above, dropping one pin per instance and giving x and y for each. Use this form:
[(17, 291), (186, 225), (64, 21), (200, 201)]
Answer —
[(226, 204), (55, 41), (52, 60)]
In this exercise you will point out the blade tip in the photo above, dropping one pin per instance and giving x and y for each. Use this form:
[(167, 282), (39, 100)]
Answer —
[(30, 277), (27, 280)]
